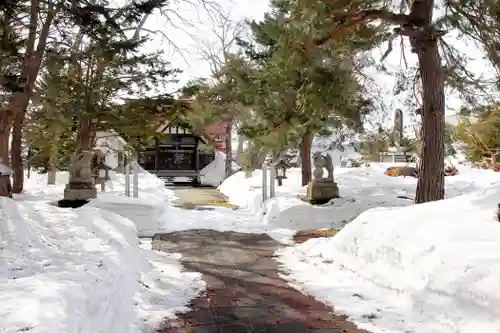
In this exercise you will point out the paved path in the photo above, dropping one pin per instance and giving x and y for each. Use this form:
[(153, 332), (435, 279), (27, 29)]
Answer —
[(192, 197), (245, 293)]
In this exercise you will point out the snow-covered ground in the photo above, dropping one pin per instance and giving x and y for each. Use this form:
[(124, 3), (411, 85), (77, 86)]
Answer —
[(431, 268), (84, 270), (360, 189)]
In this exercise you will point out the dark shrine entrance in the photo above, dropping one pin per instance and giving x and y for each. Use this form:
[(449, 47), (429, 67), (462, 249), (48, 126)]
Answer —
[(175, 155)]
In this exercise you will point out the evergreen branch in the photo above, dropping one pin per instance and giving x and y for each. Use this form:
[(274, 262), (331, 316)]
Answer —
[(347, 21)]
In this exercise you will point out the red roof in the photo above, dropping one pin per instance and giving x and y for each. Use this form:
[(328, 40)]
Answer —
[(218, 131)]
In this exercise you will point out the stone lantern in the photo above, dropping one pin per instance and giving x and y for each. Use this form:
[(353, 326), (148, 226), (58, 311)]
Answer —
[(280, 169)]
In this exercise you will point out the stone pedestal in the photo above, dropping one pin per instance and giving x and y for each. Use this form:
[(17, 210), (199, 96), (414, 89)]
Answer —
[(71, 193), (321, 191)]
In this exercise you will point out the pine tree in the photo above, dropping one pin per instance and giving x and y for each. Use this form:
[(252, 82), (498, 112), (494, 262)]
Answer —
[(478, 21), (295, 90)]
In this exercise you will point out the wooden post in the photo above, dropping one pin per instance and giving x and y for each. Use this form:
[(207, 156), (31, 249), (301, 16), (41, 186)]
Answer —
[(197, 159), (157, 155), (135, 179), (127, 179), (264, 182), (272, 187), (29, 162)]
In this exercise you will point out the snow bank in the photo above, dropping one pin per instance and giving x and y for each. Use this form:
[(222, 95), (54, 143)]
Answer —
[(424, 268), (215, 172), (361, 189), (82, 271), (247, 192), (150, 187), (149, 216)]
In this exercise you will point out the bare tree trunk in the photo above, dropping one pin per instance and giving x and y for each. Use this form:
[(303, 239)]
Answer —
[(31, 66), (229, 149), (305, 156), (16, 153), (84, 135), (51, 175), (430, 186), (54, 149), (5, 184), (5, 126), (239, 150), (258, 159)]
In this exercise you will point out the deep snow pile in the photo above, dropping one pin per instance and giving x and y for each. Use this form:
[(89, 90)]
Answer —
[(215, 172), (64, 270), (429, 268), (360, 189), (149, 216), (151, 188)]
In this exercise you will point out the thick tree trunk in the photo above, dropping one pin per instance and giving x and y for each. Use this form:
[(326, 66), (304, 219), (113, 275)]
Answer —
[(430, 186), (51, 178), (16, 152), (84, 136), (258, 159), (229, 149), (5, 126), (305, 157), (240, 150), (51, 175), (5, 184)]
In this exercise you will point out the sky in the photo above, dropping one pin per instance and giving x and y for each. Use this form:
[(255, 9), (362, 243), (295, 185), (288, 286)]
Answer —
[(187, 27)]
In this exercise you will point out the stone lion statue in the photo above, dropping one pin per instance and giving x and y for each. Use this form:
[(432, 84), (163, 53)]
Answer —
[(80, 168)]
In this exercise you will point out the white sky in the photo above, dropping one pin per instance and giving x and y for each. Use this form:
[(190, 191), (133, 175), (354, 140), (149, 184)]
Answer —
[(190, 24)]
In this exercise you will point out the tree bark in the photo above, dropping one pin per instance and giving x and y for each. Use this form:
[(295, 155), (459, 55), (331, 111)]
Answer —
[(258, 159), (229, 149), (5, 126), (16, 152), (305, 157), (84, 135), (430, 185), (19, 103), (51, 177), (239, 150)]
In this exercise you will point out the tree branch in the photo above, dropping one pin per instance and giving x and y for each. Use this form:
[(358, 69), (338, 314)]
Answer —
[(353, 19)]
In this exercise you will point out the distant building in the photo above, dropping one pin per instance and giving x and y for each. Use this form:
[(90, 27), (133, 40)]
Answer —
[(112, 146)]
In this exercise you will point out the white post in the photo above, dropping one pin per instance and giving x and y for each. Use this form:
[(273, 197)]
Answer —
[(264, 182), (272, 183), (127, 180), (103, 185), (136, 182)]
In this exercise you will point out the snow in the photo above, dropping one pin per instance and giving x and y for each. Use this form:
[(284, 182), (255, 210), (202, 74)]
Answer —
[(422, 268), (147, 215), (215, 172), (394, 266), (85, 270), (360, 189), (151, 188), (5, 170)]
